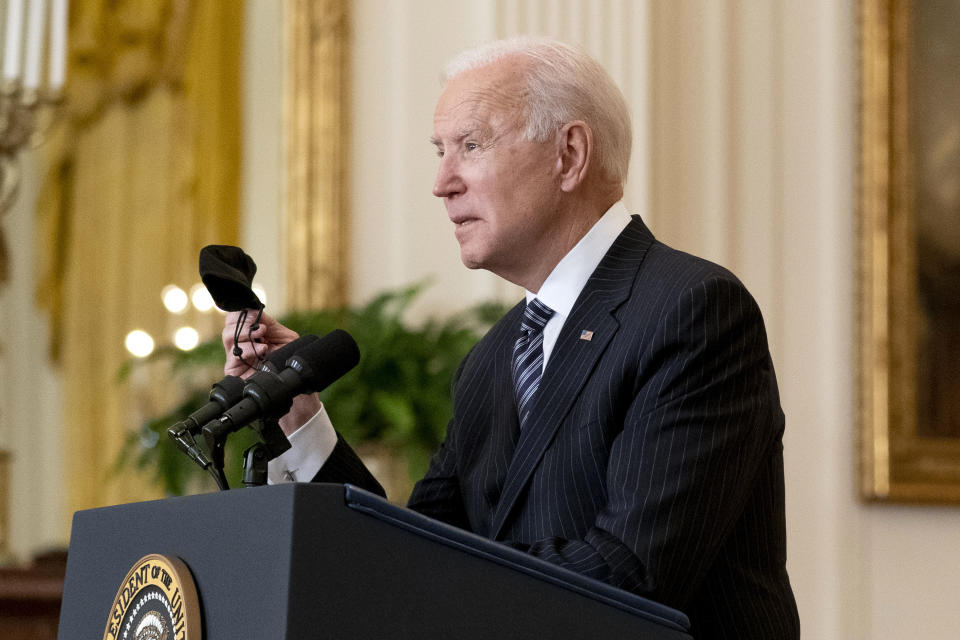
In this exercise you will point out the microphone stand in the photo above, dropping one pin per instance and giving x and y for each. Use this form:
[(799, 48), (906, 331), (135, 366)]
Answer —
[(256, 457), (216, 454), (255, 465), (183, 437)]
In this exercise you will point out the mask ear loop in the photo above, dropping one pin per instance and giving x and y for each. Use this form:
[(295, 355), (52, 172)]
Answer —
[(237, 351), (254, 327)]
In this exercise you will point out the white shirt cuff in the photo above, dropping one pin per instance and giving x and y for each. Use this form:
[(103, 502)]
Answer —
[(310, 446)]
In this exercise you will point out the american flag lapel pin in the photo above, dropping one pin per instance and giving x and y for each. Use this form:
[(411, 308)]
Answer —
[(586, 335)]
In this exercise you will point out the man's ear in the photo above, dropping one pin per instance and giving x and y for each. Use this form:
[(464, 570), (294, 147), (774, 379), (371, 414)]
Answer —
[(575, 140)]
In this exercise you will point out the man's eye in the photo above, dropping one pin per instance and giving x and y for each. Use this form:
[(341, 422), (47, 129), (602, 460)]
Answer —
[(471, 146)]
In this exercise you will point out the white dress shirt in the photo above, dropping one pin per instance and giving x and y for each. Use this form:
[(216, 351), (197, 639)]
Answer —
[(565, 283), (313, 443)]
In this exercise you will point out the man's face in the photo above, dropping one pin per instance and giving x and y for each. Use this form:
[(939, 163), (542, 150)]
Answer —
[(500, 190)]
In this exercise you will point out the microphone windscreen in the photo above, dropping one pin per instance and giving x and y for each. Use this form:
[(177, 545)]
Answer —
[(278, 359), (228, 272), (326, 360)]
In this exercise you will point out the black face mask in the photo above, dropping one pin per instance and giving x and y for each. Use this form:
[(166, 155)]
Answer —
[(228, 272)]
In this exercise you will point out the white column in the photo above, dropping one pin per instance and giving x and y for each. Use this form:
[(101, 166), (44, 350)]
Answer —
[(262, 191), (751, 158), (616, 33), (400, 231), (30, 418)]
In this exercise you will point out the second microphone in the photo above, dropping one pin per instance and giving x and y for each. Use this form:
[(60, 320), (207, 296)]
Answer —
[(269, 394)]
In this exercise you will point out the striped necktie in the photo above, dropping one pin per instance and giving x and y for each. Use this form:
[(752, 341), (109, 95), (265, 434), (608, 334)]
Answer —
[(528, 356)]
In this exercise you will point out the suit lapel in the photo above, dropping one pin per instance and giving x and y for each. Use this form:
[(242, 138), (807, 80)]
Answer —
[(573, 359)]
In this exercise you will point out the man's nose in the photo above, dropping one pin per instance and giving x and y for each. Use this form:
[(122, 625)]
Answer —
[(448, 182)]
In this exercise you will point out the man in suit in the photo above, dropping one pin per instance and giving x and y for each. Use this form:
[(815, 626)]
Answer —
[(624, 420)]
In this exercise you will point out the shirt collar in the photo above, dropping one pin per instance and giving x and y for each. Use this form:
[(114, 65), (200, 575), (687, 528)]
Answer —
[(564, 284)]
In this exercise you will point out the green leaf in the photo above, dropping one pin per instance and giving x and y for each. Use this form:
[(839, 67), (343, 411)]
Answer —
[(399, 394)]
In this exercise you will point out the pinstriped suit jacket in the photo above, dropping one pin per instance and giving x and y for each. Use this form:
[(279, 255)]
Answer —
[(653, 457)]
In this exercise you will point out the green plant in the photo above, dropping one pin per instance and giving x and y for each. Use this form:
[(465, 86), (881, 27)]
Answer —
[(398, 395)]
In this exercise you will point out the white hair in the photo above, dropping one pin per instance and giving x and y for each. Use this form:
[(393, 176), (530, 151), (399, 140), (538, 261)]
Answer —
[(563, 84)]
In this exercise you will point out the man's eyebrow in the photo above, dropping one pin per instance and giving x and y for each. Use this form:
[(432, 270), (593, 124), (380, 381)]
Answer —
[(474, 131)]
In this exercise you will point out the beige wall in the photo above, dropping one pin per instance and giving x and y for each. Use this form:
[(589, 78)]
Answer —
[(29, 391)]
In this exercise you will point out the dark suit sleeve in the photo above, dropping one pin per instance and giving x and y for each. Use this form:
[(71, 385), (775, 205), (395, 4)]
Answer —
[(703, 417), (441, 495), (438, 494), (344, 466)]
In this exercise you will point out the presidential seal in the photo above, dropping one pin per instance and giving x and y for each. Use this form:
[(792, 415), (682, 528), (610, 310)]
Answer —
[(156, 601)]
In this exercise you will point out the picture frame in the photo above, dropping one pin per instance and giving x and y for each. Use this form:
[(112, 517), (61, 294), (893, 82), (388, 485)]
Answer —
[(909, 246)]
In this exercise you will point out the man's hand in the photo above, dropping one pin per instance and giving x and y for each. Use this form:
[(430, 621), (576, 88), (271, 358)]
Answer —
[(255, 346)]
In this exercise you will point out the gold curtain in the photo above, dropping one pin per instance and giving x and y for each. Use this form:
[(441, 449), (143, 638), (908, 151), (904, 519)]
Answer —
[(144, 171), (316, 135)]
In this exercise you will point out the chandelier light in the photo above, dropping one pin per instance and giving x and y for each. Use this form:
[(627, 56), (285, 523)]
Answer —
[(35, 31)]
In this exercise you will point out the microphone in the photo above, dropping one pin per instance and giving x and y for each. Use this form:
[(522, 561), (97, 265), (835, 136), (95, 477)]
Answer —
[(224, 394), (270, 394), (278, 360), (229, 391)]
